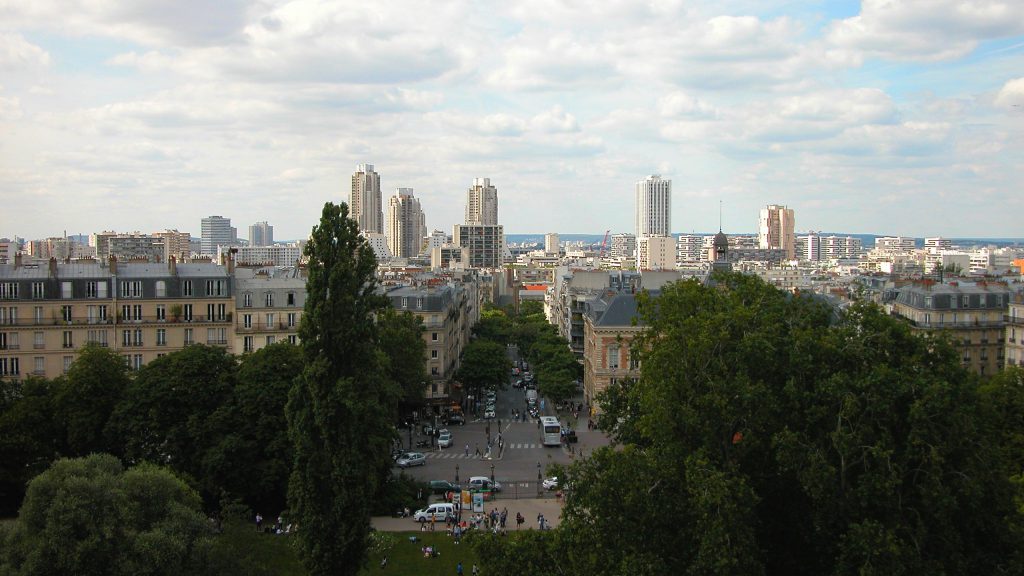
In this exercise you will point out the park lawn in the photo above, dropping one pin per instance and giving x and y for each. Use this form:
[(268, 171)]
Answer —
[(265, 553), (406, 558)]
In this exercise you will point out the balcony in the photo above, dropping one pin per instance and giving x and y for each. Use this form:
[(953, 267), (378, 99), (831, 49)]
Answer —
[(8, 346), (217, 342), (265, 327)]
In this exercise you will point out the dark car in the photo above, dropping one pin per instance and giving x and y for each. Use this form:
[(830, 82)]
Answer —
[(443, 486), (456, 419)]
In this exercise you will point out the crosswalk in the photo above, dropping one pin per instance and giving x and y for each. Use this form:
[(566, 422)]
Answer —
[(455, 454)]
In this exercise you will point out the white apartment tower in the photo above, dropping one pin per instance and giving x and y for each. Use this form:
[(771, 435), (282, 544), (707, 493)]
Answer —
[(365, 202), (551, 245), (261, 234), (653, 207), (482, 203), (406, 224), (217, 231), (775, 229)]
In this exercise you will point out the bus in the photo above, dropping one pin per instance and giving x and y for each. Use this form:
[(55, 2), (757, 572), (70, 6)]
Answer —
[(550, 431)]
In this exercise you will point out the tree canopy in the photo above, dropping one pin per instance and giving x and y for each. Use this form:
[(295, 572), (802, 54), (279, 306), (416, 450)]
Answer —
[(340, 409), (767, 435)]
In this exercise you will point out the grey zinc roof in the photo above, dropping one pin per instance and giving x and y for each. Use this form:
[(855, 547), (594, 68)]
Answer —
[(616, 310), (124, 270)]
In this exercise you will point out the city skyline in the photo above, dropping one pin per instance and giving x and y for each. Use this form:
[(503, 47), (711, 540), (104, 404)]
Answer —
[(864, 117)]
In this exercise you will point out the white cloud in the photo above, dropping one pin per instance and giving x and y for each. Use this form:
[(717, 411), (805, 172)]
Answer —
[(926, 30), (18, 53), (1011, 94), (555, 120)]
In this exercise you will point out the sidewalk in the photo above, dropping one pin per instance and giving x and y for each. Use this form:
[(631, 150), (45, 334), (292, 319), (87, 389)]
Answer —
[(551, 508)]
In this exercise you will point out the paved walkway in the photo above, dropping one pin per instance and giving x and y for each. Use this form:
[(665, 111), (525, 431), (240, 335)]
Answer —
[(551, 508)]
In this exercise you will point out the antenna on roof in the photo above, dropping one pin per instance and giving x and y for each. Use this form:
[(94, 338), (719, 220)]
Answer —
[(719, 215)]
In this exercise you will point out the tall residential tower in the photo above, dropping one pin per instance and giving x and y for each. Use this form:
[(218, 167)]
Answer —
[(406, 224), (775, 229), (217, 231), (365, 201), (653, 207), (482, 203)]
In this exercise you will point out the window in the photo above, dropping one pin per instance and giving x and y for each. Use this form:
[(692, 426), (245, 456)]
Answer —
[(161, 289), (187, 312), (3, 339), (68, 340), (8, 290), (98, 337), (67, 363), (433, 354), (92, 289), (216, 336), (214, 287), (246, 320), (270, 340), (37, 314), (137, 312), (211, 309), (433, 371), (222, 312), (269, 299), (161, 313), (186, 288), (247, 300), (11, 316), (40, 365), (38, 341), (9, 367), (131, 289), (161, 337), (65, 313), (126, 338), (137, 337), (136, 361), (433, 336), (613, 357), (291, 298), (247, 344), (270, 320), (38, 290), (634, 362), (293, 339), (291, 319), (189, 338), (66, 290)]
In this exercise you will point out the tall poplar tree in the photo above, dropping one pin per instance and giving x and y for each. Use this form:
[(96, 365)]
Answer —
[(338, 408)]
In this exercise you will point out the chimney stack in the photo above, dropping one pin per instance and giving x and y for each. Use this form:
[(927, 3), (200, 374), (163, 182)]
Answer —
[(231, 261), (53, 267), (112, 264), (172, 265), (17, 260)]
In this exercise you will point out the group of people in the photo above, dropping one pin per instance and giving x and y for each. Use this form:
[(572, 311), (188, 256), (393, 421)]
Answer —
[(278, 528)]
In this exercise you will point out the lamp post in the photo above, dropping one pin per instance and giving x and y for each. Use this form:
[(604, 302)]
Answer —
[(456, 473), (410, 434), (492, 474), (540, 480)]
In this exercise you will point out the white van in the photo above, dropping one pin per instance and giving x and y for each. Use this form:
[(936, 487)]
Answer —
[(439, 512)]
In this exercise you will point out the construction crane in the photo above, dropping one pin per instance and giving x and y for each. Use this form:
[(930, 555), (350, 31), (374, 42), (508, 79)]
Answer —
[(604, 243)]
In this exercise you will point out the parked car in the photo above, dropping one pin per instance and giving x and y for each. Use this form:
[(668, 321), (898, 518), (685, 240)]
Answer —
[(444, 439), (456, 418), (411, 459), (443, 486), (551, 483), (483, 483)]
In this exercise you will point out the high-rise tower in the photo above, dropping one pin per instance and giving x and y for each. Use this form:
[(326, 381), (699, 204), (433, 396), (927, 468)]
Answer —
[(217, 231), (653, 207), (482, 203), (365, 200), (261, 234), (406, 224), (775, 229)]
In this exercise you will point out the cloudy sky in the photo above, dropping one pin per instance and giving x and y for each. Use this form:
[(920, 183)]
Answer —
[(880, 116)]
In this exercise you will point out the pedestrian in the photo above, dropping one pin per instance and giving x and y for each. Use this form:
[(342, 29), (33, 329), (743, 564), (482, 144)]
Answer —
[(519, 520), (458, 569), (431, 522), (475, 571), (477, 445), (467, 449), (259, 522)]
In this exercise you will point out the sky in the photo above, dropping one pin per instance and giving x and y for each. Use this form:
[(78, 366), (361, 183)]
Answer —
[(878, 117)]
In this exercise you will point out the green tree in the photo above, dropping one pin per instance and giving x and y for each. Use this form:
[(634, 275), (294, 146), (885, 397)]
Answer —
[(778, 438), (86, 399), (89, 516), (494, 325), (251, 455), (484, 365), (29, 436), (167, 416), (401, 337), (339, 410)]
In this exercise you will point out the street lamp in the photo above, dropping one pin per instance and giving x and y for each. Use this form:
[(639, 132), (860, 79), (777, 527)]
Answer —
[(410, 424), (456, 473), (492, 474), (540, 480)]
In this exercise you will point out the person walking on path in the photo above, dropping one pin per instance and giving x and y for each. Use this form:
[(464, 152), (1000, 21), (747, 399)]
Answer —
[(467, 449), (458, 569), (259, 522), (477, 450)]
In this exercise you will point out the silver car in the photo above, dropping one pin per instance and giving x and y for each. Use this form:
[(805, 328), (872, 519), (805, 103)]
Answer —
[(411, 459)]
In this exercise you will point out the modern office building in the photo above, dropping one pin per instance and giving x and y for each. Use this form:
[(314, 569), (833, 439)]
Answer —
[(653, 207), (775, 229), (689, 248), (217, 231), (486, 244), (177, 244), (551, 245), (406, 224), (623, 245), (261, 234), (655, 253), (482, 203), (365, 200)]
